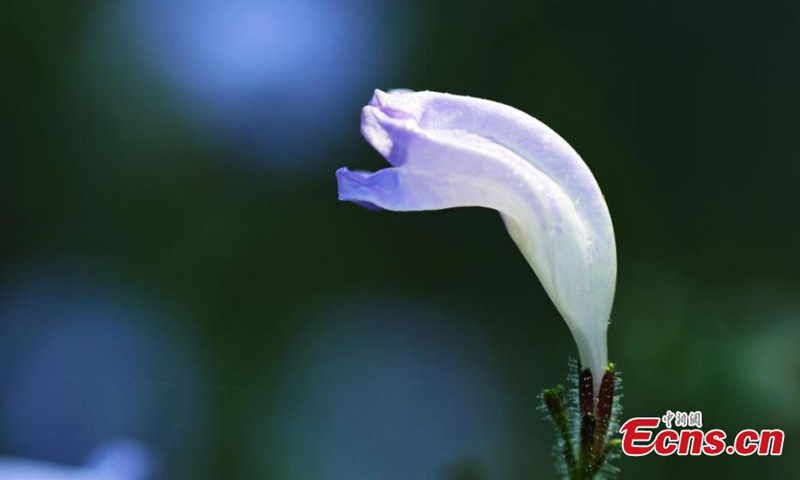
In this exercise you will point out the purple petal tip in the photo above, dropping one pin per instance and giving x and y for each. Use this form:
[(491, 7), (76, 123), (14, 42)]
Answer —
[(349, 184)]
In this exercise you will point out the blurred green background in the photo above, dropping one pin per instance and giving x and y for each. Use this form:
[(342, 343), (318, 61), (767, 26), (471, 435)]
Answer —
[(173, 162)]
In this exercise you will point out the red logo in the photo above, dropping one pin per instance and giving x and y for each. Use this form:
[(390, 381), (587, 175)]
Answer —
[(640, 436)]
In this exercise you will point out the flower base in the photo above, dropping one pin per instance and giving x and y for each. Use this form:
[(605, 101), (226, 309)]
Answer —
[(585, 423)]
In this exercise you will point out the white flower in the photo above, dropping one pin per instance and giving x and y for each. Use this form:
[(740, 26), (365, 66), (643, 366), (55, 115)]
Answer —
[(454, 151)]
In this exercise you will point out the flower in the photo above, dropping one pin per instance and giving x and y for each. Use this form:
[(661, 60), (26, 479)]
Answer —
[(455, 151)]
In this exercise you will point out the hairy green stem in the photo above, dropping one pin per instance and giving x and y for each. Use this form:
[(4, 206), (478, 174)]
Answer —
[(585, 425)]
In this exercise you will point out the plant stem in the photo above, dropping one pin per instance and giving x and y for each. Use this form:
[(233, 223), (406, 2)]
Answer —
[(584, 421)]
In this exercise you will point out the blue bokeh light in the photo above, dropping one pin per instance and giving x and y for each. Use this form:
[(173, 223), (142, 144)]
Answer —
[(84, 365), (280, 78), (117, 460), (392, 390)]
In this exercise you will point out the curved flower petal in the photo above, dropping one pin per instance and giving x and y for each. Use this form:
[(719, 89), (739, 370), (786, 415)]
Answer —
[(453, 151)]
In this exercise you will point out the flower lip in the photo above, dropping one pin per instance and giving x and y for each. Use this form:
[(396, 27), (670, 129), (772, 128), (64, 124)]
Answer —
[(351, 184), (379, 98), (382, 101), (383, 123)]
